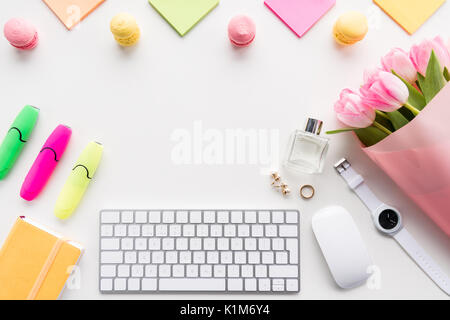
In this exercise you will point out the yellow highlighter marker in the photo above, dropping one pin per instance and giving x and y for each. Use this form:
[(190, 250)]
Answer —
[(78, 181)]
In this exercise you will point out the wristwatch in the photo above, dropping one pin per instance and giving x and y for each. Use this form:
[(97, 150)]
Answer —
[(388, 221)]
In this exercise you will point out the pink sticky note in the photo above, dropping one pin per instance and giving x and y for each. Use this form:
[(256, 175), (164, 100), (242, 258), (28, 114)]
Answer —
[(299, 15)]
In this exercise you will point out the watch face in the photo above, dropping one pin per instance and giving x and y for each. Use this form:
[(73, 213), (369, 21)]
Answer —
[(388, 219)]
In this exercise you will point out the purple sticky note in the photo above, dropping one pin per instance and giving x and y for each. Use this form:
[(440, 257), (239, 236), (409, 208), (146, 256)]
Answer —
[(299, 15)]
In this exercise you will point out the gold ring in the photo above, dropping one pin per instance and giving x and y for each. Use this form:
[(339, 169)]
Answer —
[(307, 187)]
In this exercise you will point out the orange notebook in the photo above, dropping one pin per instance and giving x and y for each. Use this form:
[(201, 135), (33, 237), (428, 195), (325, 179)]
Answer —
[(35, 262), (70, 12)]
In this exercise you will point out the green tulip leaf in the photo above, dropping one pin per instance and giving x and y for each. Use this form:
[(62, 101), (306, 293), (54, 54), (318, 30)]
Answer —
[(416, 99), (370, 135), (434, 80), (397, 119), (446, 74), (340, 130), (384, 121)]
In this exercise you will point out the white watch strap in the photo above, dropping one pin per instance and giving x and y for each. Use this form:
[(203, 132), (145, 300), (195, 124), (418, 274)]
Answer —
[(424, 261), (356, 183)]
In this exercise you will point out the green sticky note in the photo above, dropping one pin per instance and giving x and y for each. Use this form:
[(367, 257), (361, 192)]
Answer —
[(183, 15)]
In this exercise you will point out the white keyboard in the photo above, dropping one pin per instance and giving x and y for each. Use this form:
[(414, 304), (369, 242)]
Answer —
[(199, 250)]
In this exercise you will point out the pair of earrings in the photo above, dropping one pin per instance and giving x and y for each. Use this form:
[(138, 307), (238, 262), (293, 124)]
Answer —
[(280, 185)]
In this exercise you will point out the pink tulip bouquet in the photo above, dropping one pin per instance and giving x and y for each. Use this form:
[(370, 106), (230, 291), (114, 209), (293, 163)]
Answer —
[(400, 115)]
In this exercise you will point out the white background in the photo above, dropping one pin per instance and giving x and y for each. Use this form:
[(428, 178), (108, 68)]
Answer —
[(133, 99)]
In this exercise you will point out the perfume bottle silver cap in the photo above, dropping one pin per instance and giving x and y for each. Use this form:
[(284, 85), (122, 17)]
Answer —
[(314, 126)]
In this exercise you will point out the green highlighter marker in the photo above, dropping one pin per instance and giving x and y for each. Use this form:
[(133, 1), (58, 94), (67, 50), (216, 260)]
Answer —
[(78, 181), (16, 138)]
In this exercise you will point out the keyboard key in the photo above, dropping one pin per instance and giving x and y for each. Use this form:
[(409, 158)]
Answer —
[(281, 257), (201, 284), (130, 257), (240, 257), (235, 284), (264, 244), (188, 230), (171, 257), (134, 230), (236, 244), (250, 284), (137, 270), (120, 230), (108, 271), (185, 257), (161, 230), (144, 257), (250, 244), (236, 217), (140, 244), (168, 217), (292, 247), (134, 284), (157, 257), (123, 270), (106, 230), (219, 271), (257, 230), (291, 217), (199, 257), (226, 257), (195, 217), (277, 244), (127, 244), (250, 217), (223, 244), (168, 244), (111, 257), (182, 243), (246, 271), (147, 230), (178, 271), (287, 271), (216, 230), (209, 217), (292, 285), (233, 271), (110, 244), (120, 284), (212, 257), (261, 271), (278, 284), (195, 244), (243, 230), (254, 257), (264, 217), (151, 271), (175, 230), (209, 244), (182, 217), (223, 217), (264, 285), (110, 217), (202, 230), (267, 257), (271, 230), (192, 271), (288, 231), (278, 217), (229, 230), (141, 216), (106, 285), (206, 271), (149, 284), (154, 244), (154, 217), (127, 216), (164, 271)]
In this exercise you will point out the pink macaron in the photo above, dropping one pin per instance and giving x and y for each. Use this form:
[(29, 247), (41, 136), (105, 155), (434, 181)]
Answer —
[(241, 31), (21, 34)]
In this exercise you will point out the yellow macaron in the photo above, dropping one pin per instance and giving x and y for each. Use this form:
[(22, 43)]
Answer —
[(350, 28), (125, 29)]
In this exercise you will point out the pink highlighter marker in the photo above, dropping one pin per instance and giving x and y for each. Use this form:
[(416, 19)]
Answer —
[(45, 162)]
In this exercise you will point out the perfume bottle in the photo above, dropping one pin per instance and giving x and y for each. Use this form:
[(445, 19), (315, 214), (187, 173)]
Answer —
[(307, 149)]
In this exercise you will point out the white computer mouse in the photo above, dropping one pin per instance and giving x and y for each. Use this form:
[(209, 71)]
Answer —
[(342, 246)]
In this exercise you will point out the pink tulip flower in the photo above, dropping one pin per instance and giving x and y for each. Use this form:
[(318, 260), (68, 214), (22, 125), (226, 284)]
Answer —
[(383, 91), (420, 54), (352, 112), (398, 60)]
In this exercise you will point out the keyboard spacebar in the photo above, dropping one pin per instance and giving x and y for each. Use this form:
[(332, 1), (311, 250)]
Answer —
[(192, 284)]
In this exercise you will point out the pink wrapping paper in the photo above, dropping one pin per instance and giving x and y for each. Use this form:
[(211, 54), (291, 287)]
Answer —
[(417, 158)]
